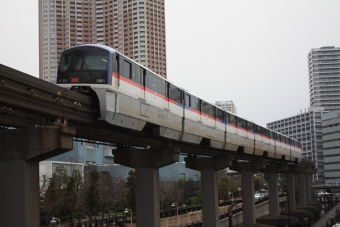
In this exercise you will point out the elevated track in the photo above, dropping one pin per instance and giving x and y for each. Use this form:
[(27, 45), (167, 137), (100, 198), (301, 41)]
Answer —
[(26, 101)]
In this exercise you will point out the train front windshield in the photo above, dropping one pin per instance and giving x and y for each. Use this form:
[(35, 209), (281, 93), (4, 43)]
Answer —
[(84, 65)]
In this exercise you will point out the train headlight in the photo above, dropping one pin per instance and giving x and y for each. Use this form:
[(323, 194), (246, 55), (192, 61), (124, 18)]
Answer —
[(62, 80), (100, 80)]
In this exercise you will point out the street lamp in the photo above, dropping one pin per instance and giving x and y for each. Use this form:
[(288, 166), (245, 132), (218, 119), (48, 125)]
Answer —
[(126, 211), (175, 204), (54, 221)]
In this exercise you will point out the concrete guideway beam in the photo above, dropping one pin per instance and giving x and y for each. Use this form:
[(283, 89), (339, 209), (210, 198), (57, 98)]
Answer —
[(251, 166), (35, 143), (208, 163), (146, 158), (20, 153), (147, 163)]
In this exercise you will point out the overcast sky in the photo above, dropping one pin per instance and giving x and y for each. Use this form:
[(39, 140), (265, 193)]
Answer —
[(251, 52)]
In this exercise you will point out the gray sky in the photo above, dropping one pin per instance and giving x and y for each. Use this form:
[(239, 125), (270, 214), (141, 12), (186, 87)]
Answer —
[(252, 52)]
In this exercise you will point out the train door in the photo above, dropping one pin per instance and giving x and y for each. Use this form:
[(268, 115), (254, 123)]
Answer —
[(119, 60), (165, 91), (142, 74)]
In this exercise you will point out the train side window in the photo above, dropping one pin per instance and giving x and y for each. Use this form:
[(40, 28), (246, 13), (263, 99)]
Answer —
[(175, 94), (232, 119), (197, 104), (187, 100), (227, 118), (240, 122), (249, 125), (127, 69), (259, 129), (136, 74), (207, 108), (192, 102), (220, 114), (154, 83)]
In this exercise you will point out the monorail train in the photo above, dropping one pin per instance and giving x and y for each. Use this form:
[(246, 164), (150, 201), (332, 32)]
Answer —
[(132, 96)]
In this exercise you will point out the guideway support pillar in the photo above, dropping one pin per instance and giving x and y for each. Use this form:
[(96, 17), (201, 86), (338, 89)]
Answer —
[(274, 217), (20, 153), (304, 191), (147, 163), (293, 210), (247, 170), (209, 167)]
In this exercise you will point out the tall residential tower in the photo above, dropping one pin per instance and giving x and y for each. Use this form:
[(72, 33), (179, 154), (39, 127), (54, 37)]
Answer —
[(324, 77), (135, 28)]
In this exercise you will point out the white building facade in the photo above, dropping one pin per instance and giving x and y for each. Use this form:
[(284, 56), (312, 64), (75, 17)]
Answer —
[(227, 105), (324, 77), (306, 128), (331, 146)]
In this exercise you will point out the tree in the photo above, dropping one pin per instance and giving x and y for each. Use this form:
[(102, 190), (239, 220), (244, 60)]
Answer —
[(165, 186), (131, 190), (92, 199), (258, 182), (223, 183), (73, 193), (108, 196), (178, 190)]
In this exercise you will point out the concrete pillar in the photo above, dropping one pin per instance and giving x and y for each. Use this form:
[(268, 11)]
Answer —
[(307, 186), (147, 163), (210, 209), (301, 189), (209, 167), (147, 197), (291, 190), (248, 207), (273, 194), (19, 193), (20, 153)]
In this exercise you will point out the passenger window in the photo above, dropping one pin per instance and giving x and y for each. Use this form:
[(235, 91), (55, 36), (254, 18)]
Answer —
[(193, 102), (240, 122), (259, 129), (197, 104), (127, 69), (249, 126), (175, 94), (220, 114), (232, 119), (208, 109), (154, 83)]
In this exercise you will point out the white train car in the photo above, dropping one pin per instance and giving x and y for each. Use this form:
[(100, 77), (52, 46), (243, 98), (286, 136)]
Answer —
[(134, 97)]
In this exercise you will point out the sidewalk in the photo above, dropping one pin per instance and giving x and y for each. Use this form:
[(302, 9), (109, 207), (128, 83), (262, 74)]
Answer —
[(330, 214)]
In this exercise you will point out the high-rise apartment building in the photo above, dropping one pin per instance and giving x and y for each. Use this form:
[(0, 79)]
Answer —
[(331, 146), (227, 105), (136, 28), (324, 77), (306, 128)]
